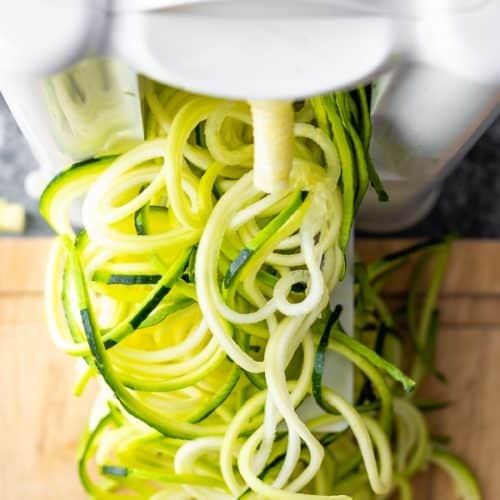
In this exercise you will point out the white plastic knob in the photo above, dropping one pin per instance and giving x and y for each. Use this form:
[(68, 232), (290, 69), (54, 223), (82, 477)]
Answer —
[(39, 37)]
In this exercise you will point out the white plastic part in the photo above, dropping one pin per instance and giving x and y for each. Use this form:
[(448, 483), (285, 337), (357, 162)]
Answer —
[(441, 94), (31, 113), (443, 52), (93, 109), (424, 122), (254, 49), (39, 37), (431, 110), (392, 7)]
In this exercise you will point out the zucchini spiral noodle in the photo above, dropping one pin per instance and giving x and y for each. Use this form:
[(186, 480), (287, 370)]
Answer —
[(200, 300)]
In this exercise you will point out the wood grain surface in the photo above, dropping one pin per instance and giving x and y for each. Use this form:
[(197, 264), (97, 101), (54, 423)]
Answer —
[(40, 420)]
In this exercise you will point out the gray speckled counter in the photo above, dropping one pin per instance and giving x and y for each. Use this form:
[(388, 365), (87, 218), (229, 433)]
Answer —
[(469, 205), (16, 161)]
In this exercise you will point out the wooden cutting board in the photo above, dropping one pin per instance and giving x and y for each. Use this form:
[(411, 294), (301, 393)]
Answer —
[(40, 421)]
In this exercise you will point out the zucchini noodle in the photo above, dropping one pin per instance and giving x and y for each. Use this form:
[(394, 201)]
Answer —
[(198, 290)]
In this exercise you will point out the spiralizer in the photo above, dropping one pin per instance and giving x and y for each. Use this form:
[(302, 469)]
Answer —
[(69, 72)]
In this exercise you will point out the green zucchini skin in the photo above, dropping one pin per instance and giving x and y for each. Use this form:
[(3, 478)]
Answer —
[(466, 484), (159, 314), (100, 343), (143, 216), (332, 329), (236, 266), (126, 279), (85, 452), (114, 470), (262, 237), (69, 184)]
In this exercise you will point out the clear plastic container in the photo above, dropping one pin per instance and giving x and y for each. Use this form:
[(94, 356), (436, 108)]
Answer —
[(94, 108), (91, 110)]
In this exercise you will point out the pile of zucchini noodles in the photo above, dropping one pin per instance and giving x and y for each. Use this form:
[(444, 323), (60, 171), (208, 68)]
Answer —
[(202, 306)]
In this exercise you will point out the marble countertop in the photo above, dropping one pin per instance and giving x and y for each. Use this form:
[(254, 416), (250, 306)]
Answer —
[(469, 204)]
